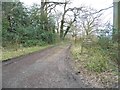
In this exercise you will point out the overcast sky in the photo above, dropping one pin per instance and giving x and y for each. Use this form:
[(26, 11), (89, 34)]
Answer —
[(97, 4)]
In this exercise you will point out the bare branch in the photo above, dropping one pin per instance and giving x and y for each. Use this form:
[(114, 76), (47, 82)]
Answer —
[(55, 2), (102, 10)]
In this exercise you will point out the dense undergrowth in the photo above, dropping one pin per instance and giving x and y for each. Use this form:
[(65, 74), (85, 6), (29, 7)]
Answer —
[(99, 59)]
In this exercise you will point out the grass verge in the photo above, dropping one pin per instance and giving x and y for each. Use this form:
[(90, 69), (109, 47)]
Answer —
[(95, 65), (11, 53)]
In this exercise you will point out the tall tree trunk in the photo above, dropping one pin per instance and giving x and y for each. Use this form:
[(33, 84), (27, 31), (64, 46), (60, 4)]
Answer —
[(61, 29), (62, 22)]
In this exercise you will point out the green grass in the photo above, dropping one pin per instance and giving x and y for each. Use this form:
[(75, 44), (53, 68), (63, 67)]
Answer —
[(94, 59), (76, 51), (11, 53), (95, 63), (98, 61)]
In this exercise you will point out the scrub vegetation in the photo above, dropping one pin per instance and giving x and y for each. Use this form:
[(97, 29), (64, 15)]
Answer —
[(94, 42)]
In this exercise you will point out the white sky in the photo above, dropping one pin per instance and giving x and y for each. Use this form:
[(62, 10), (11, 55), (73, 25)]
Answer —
[(97, 4)]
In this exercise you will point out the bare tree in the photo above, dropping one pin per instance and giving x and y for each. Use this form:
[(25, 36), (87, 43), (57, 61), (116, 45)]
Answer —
[(89, 22), (88, 17), (74, 10)]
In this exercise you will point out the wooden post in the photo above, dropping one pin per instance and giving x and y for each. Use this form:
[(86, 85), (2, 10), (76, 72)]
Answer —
[(116, 23), (116, 18)]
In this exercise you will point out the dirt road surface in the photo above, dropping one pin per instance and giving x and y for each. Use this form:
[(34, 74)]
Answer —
[(50, 68)]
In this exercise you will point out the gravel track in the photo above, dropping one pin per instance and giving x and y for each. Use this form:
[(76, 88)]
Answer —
[(50, 68)]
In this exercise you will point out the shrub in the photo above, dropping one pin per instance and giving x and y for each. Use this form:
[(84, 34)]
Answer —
[(29, 43), (41, 43), (98, 61), (113, 52), (104, 42), (110, 47)]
